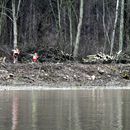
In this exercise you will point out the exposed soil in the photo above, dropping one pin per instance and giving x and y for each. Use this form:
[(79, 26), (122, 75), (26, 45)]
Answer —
[(65, 74)]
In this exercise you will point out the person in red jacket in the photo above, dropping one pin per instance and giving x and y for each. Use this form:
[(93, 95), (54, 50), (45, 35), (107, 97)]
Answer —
[(35, 57)]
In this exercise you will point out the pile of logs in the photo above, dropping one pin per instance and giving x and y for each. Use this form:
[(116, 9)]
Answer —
[(104, 58), (98, 58)]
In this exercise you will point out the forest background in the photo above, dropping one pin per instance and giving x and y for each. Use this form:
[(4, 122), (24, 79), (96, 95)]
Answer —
[(77, 27)]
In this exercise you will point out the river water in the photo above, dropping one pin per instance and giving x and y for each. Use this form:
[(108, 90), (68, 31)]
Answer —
[(65, 110)]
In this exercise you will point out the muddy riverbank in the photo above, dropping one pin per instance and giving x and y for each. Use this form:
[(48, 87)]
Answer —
[(64, 74)]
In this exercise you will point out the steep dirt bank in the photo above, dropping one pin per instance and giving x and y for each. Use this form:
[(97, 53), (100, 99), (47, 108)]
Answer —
[(68, 74)]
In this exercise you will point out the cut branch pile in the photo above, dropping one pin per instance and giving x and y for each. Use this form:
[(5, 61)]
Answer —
[(49, 55), (98, 58), (103, 58)]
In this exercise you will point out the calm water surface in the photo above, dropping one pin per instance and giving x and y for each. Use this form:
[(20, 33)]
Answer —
[(65, 110)]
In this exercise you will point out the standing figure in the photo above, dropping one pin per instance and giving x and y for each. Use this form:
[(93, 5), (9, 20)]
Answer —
[(16, 53), (35, 57)]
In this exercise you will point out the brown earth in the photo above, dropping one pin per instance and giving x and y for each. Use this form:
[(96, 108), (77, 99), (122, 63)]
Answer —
[(65, 74)]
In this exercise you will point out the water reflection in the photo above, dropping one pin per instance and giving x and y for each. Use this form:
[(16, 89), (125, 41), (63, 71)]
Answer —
[(65, 110), (15, 111), (34, 111)]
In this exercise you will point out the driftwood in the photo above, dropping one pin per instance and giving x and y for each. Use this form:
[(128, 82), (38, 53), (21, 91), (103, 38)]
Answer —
[(98, 58)]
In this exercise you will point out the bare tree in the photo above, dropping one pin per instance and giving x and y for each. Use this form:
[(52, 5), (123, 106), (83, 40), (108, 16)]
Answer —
[(121, 35), (14, 24), (2, 13), (114, 28), (13, 17), (1, 16), (76, 46), (104, 27), (59, 3), (69, 5), (15, 12)]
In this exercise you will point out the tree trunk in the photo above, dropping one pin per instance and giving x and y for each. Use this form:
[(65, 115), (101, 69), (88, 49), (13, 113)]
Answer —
[(76, 46), (114, 28), (106, 35), (59, 14), (1, 18), (126, 26), (70, 28), (121, 36), (59, 6), (15, 33)]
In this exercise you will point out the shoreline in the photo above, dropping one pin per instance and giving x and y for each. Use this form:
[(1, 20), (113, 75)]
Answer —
[(64, 76), (38, 88)]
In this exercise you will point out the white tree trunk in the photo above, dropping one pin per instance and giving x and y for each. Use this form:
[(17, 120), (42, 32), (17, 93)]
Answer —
[(15, 33), (76, 46), (114, 28), (70, 28), (121, 36), (18, 8)]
